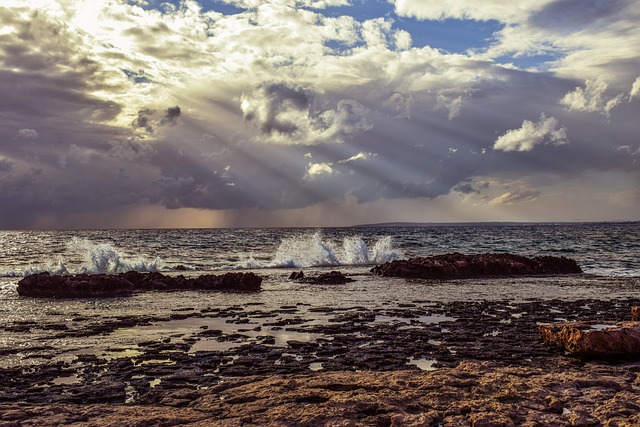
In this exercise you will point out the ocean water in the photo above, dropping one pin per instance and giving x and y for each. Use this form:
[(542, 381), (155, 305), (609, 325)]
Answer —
[(604, 249), (609, 254)]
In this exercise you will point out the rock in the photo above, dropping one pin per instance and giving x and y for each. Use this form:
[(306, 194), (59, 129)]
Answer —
[(635, 313), (472, 394), (44, 285), (459, 266), (243, 282), (332, 278), (589, 340), (296, 275)]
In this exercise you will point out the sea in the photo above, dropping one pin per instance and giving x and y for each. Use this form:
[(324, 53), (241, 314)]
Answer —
[(608, 253)]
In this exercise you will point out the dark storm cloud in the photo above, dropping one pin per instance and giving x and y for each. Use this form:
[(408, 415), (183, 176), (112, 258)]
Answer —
[(149, 119), (171, 115), (572, 15), (144, 120), (269, 105)]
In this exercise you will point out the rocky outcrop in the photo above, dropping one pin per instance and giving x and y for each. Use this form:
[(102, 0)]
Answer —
[(459, 266), (331, 278), (44, 285), (473, 394), (590, 340)]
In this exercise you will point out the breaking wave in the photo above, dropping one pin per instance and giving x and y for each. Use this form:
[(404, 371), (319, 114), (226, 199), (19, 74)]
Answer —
[(314, 251), (92, 258)]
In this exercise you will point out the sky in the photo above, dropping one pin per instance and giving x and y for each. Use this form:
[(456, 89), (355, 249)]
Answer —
[(252, 113)]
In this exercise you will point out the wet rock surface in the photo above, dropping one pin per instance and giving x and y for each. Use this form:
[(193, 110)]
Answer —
[(419, 363), (610, 340), (331, 278), (459, 266), (44, 285)]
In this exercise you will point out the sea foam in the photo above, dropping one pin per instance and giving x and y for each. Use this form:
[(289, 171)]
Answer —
[(314, 251), (94, 258)]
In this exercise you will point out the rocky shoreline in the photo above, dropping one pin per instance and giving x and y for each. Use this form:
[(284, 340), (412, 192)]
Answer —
[(422, 363)]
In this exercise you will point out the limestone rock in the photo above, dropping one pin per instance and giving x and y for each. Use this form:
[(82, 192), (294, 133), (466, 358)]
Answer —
[(603, 341), (459, 266)]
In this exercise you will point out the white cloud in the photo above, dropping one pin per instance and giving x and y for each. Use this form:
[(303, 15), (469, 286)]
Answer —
[(515, 196), (545, 131), (359, 156), (315, 170), (502, 10), (635, 89), (314, 4), (591, 98), (29, 134)]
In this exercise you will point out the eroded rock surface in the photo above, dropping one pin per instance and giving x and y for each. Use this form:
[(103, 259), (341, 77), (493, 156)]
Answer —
[(459, 266), (472, 394), (595, 340)]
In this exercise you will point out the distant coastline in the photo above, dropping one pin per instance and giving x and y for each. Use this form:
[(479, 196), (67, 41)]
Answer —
[(482, 224)]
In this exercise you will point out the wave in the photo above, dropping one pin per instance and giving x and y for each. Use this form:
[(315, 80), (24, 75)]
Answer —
[(314, 251), (95, 258)]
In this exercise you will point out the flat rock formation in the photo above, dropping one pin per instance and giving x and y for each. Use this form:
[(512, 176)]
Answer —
[(459, 266), (477, 394), (45, 285), (331, 278), (607, 340)]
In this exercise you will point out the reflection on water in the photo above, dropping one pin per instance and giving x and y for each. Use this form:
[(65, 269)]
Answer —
[(34, 329)]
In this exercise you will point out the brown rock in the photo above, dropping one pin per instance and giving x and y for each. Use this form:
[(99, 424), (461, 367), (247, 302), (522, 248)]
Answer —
[(586, 339), (470, 395), (45, 285), (459, 266), (635, 313)]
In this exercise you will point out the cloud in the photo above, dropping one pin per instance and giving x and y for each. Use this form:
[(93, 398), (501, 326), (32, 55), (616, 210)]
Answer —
[(131, 150), (464, 9), (516, 196), (591, 98), (29, 134), (150, 104), (469, 187), (314, 4), (315, 170), (527, 137), (150, 119), (360, 156), (635, 89), (171, 115), (286, 114)]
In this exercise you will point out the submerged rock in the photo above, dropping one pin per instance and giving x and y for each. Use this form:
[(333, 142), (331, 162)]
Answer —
[(332, 278), (44, 285), (459, 266), (590, 340)]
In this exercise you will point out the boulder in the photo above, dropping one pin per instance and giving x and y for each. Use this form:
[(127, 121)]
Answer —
[(459, 266), (591, 340), (44, 285)]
